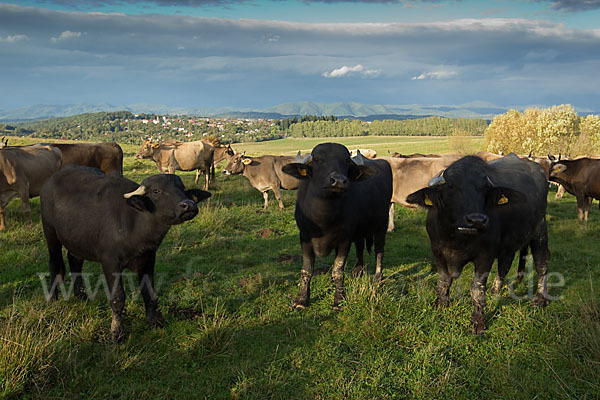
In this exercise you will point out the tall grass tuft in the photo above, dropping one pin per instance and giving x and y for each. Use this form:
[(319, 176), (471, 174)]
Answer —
[(27, 346)]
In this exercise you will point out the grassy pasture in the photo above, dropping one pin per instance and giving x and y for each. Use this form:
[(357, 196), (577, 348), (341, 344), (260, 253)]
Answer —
[(225, 286)]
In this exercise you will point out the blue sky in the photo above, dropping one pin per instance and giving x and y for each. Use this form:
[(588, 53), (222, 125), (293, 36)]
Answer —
[(254, 54)]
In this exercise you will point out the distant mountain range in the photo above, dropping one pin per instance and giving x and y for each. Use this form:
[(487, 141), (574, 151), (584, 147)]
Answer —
[(476, 109)]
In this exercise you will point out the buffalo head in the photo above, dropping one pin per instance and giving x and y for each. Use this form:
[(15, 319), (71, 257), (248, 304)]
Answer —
[(165, 196), (464, 195), (330, 168)]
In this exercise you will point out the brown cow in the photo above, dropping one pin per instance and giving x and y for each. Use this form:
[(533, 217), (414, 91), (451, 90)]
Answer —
[(581, 178), (411, 174), (264, 174), (221, 153), (23, 171), (107, 157), (183, 156), (368, 153)]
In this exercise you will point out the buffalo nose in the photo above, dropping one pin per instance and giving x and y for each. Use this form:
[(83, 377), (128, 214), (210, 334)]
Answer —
[(187, 205), (338, 181), (477, 220)]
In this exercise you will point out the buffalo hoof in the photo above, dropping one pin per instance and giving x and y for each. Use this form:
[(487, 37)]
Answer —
[(540, 301), (81, 295), (299, 305), (441, 302), (478, 322), (358, 270), (156, 320), (377, 278), (117, 333)]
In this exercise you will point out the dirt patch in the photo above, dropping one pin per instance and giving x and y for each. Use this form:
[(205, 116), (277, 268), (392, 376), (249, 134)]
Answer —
[(288, 258), (249, 280), (268, 232)]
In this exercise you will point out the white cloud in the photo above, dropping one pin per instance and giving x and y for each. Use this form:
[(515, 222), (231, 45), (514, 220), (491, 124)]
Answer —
[(435, 75), (13, 38), (345, 70), (66, 35)]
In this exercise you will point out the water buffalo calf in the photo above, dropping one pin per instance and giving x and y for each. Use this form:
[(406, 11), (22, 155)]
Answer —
[(116, 222), (480, 211), (340, 201)]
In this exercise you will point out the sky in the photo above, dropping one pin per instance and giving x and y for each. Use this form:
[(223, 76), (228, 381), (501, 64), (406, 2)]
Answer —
[(252, 54)]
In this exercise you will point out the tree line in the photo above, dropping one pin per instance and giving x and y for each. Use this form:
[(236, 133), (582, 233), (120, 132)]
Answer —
[(126, 127)]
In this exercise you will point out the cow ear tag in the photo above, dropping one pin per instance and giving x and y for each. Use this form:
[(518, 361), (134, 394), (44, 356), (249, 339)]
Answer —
[(155, 145), (502, 200), (428, 201), (246, 161), (302, 171)]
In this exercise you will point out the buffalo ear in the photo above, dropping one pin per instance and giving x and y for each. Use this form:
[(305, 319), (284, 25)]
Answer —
[(501, 196), (197, 195), (297, 170), (425, 197), (558, 168), (362, 172), (140, 203)]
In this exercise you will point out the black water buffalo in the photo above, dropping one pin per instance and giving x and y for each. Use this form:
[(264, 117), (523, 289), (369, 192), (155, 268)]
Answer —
[(114, 221), (340, 201), (581, 178), (480, 211)]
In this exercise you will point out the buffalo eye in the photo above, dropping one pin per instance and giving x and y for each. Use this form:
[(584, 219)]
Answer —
[(156, 191)]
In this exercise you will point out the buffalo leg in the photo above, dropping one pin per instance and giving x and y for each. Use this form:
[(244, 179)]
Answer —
[(76, 267), (302, 299), (379, 247), (482, 270), (146, 281), (504, 263), (359, 267), (442, 289), (337, 273), (522, 263), (117, 302), (56, 262), (541, 255)]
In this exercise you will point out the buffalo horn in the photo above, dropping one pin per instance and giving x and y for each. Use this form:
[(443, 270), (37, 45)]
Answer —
[(303, 160), (438, 179), (140, 191), (358, 159)]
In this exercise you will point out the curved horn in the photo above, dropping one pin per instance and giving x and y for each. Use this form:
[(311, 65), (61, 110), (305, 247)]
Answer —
[(438, 179), (140, 191), (303, 160), (359, 159)]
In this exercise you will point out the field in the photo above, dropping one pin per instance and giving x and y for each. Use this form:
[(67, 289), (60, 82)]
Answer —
[(226, 280)]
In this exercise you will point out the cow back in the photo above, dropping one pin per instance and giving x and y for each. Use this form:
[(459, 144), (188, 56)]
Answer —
[(31, 165)]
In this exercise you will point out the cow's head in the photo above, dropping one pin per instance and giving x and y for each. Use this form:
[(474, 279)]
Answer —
[(165, 196), (147, 149), (236, 164), (464, 195), (330, 169)]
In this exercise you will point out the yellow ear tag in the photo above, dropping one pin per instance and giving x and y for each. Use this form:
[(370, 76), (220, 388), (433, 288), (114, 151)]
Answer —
[(156, 145), (302, 171), (246, 161), (503, 200), (428, 202)]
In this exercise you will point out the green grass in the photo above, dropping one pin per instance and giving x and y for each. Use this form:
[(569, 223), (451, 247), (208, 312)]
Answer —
[(225, 293)]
